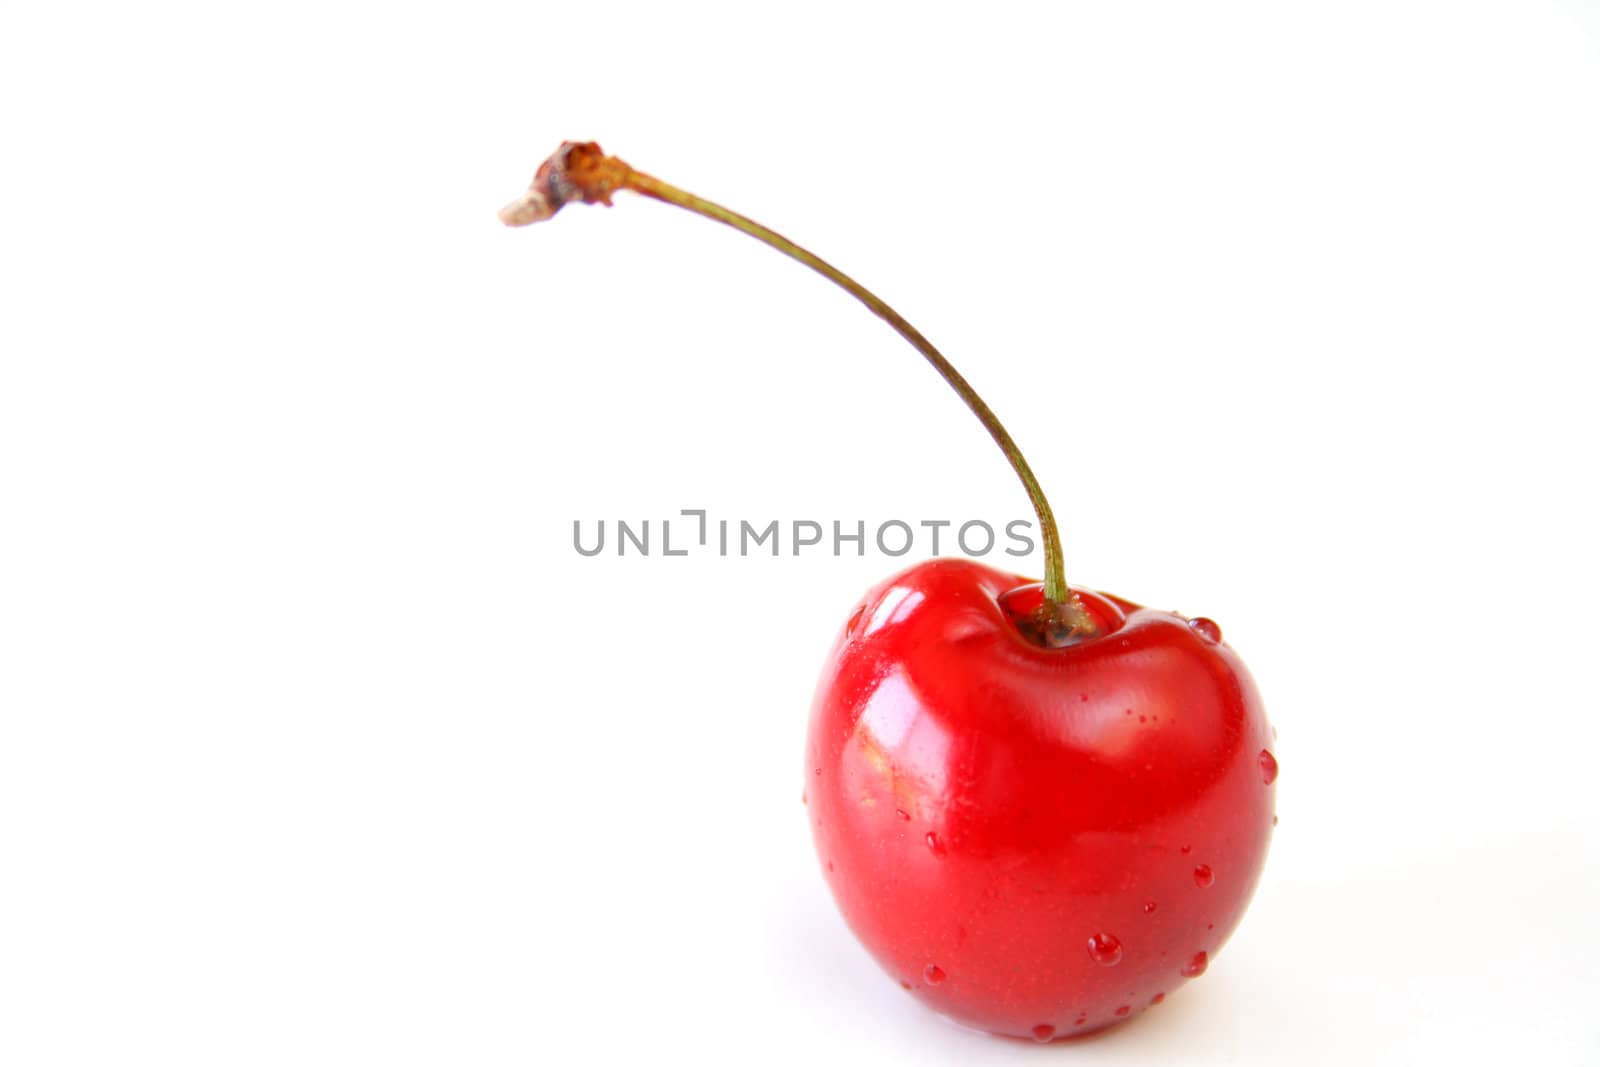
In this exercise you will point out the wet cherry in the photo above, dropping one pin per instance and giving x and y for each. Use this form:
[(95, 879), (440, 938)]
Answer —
[(1062, 821), (1060, 796)]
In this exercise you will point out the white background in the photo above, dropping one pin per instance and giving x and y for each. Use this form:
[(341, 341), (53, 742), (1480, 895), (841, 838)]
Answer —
[(319, 744)]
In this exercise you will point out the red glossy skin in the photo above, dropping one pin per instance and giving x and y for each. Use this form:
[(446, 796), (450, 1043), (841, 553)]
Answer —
[(992, 814)]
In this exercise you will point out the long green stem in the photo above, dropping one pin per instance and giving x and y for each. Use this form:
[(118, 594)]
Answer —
[(583, 171)]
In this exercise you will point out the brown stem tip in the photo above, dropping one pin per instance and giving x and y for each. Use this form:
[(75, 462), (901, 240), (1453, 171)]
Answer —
[(579, 170)]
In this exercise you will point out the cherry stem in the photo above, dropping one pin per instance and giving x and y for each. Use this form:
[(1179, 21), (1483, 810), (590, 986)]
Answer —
[(582, 171)]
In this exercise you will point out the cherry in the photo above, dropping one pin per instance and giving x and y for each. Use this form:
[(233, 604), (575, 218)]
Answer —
[(1039, 807), (1069, 790)]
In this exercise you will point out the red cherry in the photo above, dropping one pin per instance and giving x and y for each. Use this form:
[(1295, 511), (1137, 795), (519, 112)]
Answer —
[(1005, 773), (1060, 818)]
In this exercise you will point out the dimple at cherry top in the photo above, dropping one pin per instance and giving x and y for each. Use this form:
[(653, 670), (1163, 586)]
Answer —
[(1042, 809)]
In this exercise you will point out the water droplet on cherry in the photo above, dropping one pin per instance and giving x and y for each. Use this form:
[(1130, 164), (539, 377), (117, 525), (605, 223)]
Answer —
[(1105, 949), (1122, 1011), (902, 813), (1269, 767), (935, 974), (1149, 907), (1195, 967), (1206, 629), (1185, 849), (1043, 1032), (1203, 876), (934, 844)]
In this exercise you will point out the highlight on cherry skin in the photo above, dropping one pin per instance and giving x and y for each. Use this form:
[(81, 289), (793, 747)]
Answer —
[(1041, 809)]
